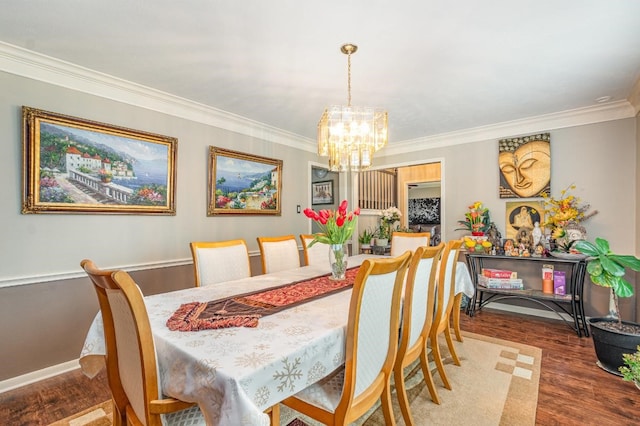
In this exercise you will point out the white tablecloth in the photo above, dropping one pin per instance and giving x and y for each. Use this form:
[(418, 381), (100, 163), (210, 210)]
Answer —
[(234, 374), (464, 284)]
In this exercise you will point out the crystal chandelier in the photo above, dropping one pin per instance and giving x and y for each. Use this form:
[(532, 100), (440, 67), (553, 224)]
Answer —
[(350, 135)]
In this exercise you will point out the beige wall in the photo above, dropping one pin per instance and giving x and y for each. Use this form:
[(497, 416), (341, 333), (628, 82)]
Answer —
[(44, 310), (43, 320), (637, 205), (599, 158)]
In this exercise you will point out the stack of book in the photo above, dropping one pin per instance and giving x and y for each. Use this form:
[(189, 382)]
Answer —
[(500, 278)]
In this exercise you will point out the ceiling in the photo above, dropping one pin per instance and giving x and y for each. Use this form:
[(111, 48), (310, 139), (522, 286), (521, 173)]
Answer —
[(435, 66)]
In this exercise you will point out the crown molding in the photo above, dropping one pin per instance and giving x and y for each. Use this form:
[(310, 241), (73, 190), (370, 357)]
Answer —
[(634, 97), (26, 63), (558, 120), (29, 64)]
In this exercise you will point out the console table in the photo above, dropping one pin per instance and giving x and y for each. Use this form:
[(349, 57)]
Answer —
[(571, 303)]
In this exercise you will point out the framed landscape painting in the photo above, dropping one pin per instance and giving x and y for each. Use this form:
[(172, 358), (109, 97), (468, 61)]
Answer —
[(241, 183), (72, 165)]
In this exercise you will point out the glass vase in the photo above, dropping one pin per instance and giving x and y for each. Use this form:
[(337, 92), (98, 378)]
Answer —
[(338, 256)]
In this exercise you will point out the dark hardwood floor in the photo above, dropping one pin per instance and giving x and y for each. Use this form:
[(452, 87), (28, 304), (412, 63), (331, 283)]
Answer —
[(573, 390)]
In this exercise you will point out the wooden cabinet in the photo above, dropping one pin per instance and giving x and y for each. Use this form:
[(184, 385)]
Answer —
[(572, 303)]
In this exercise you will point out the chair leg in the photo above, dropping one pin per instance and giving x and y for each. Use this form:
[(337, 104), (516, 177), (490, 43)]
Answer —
[(387, 407), (452, 348), (274, 415), (401, 393), (119, 418), (437, 357), (457, 304), (428, 377)]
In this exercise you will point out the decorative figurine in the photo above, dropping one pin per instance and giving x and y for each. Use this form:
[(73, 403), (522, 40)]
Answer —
[(524, 240), (537, 233), (509, 248), (494, 236)]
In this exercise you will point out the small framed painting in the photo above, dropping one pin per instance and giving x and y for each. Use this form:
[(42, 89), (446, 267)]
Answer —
[(523, 214), (242, 183), (73, 165), (322, 192)]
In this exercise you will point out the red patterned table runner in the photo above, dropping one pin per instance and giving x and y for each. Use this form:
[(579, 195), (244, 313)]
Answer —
[(244, 310)]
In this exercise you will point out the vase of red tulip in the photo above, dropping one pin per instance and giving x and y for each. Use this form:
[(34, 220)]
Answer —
[(337, 227)]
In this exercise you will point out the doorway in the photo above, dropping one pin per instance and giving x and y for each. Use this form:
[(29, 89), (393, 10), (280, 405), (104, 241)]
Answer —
[(424, 208)]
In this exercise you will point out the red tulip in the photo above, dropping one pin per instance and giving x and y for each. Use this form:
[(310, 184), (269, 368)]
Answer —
[(357, 211), (322, 220), (340, 221), (309, 213)]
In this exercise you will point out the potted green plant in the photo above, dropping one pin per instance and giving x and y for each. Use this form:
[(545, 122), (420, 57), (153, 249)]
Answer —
[(631, 369), (477, 220), (382, 235), (612, 337), (365, 238)]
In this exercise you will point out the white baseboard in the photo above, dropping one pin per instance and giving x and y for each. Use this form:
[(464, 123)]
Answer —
[(36, 376)]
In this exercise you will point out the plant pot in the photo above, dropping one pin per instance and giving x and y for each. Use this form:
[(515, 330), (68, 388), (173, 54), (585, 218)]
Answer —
[(611, 344), (382, 242)]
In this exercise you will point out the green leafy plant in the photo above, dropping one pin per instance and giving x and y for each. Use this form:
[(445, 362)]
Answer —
[(366, 236), (631, 370), (383, 232), (607, 269)]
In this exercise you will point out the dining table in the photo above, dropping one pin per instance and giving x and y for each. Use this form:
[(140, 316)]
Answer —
[(236, 373)]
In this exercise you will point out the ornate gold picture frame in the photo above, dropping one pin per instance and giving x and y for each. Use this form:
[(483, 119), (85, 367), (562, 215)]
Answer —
[(241, 183), (73, 165)]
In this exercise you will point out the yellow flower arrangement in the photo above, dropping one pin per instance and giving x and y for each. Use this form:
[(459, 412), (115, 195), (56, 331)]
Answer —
[(564, 214), (568, 208)]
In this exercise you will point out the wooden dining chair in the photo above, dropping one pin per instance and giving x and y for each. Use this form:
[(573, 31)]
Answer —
[(417, 319), (130, 354), (318, 254), (371, 347), (457, 304), (220, 261), (403, 241), (279, 253), (131, 358), (444, 306)]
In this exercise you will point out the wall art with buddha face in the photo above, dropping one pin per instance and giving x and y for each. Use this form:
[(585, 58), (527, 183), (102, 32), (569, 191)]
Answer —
[(525, 166)]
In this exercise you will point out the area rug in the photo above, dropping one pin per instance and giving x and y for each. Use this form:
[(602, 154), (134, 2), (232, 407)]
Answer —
[(497, 384), (99, 415)]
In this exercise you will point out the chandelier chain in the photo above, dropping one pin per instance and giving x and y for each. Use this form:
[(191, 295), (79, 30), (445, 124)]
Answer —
[(349, 76)]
